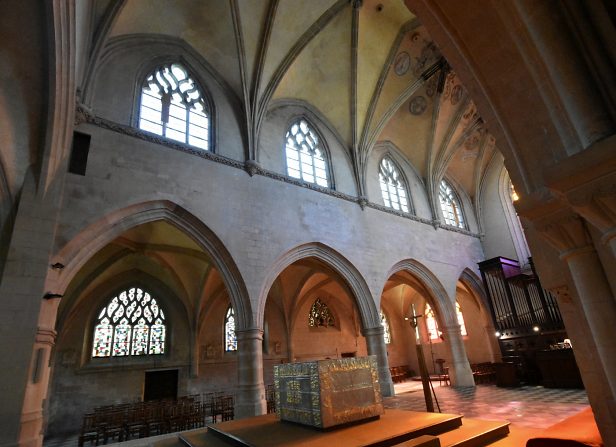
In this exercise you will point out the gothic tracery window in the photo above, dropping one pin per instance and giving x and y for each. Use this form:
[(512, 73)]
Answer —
[(306, 159), (392, 186), (450, 205), (132, 323), (173, 106), (386, 330), (320, 315), (230, 336)]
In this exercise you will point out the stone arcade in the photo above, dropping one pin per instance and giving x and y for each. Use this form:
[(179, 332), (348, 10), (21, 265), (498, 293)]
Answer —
[(194, 191)]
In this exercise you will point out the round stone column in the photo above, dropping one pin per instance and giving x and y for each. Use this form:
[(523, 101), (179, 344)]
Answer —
[(460, 372), (250, 399), (598, 304), (375, 343)]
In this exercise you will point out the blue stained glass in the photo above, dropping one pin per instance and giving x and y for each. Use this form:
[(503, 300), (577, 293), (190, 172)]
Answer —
[(157, 339), (102, 339), (121, 339), (140, 338)]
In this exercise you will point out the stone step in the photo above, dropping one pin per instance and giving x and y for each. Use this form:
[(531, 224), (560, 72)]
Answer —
[(474, 433)]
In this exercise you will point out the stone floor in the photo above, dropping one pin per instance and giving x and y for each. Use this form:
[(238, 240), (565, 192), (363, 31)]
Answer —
[(527, 406)]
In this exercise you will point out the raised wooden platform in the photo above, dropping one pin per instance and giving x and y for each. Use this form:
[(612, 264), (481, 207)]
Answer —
[(394, 427)]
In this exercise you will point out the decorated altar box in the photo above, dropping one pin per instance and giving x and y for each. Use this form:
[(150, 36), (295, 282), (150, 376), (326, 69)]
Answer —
[(326, 393)]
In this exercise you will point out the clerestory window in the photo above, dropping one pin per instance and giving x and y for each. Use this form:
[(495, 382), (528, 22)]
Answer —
[(230, 336), (173, 106), (306, 158), (450, 205), (393, 188), (132, 323)]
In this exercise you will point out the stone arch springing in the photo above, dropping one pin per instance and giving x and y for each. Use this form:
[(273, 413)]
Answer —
[(339, 264), (89, 241), (438, 297)]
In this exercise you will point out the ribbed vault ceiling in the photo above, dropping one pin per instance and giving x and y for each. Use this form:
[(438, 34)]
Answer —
[(372, 72)]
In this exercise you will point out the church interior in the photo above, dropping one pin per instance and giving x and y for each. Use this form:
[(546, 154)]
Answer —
[(194, 192)]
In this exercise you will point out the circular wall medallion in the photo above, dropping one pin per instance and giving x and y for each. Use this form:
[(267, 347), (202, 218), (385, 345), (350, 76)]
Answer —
[(418, 105), (402, 63), (456, 94)]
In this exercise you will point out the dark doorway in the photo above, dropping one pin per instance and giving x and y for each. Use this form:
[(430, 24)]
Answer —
[(161, 385)]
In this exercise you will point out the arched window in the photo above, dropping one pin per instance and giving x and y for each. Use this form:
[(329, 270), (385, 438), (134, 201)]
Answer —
[(450, 205), (306, 159), (173, 106), (230, 337), (320, 315), (392, 186), (132, 323), (460, 319), (431, 325), (385, 324)]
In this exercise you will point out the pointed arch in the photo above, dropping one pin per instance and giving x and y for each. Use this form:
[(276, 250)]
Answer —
[(90, 240), (339, 264), (438, 295)]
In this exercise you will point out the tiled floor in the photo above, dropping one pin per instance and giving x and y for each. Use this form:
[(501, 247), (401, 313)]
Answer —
[(527, 406)]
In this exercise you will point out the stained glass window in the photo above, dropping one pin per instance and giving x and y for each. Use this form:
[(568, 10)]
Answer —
[(431, 325), (320, 315), (385, 324), (306, 159), (392, 186), (460, 319), (230, 337), (450, 205), (131, 324), (173, 106)]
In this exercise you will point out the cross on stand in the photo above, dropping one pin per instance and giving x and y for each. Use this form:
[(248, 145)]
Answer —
[(426, 383)]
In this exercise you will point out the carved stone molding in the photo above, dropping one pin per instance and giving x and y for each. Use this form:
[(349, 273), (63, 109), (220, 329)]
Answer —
[(83, 115), (46, 336), (252, 167)]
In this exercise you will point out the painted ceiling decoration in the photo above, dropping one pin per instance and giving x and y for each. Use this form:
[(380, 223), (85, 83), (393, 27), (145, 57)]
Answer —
[(369, 68)]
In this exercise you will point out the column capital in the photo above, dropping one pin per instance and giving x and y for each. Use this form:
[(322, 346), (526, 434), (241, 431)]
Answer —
[(566, 231), (249, 334), (598, 205), (372, 331)]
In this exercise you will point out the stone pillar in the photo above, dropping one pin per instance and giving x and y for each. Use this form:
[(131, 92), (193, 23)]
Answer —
[(27, 317), (460, 372), (375, 342), (250, 399), (567, 232)]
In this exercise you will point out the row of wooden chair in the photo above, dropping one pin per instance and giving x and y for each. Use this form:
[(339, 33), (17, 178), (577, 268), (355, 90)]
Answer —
[(400, 373), (484, 372), (116, 423)]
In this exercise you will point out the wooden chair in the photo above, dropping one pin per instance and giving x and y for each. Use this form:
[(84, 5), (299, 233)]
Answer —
[(89, 430)]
